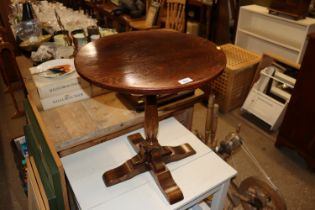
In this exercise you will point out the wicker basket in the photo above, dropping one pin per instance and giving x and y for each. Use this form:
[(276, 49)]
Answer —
[(232, 86)]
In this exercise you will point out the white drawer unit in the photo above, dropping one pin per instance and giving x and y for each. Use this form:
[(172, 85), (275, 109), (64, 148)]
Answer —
[(265, 108), (261, 32), (198, 176), (267, 99)]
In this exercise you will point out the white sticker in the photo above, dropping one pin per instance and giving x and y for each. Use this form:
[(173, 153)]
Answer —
[(185, 80)]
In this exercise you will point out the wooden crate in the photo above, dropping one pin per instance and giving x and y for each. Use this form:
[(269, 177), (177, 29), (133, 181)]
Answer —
[(233, 85)]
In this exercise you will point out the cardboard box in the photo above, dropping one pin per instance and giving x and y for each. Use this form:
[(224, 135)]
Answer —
[(48, 87), (66, 98)]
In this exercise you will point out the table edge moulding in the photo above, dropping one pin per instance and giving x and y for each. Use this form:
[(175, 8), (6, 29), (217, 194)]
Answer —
[(150, 63)]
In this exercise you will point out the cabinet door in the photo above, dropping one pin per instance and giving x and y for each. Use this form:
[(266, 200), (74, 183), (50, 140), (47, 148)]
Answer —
[(311, 146), (44, 161), (299, 122), (297, 129), (36, 199)]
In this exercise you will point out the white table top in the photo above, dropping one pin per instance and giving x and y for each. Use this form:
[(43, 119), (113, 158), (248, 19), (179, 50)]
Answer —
[(195, 175)]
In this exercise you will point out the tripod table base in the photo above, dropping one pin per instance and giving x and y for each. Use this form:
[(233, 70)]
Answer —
[(151, 158)]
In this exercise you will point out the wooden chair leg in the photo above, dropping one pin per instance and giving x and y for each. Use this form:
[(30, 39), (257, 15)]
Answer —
[(211, 122), (9, 89), (18, 113), (9, 65)]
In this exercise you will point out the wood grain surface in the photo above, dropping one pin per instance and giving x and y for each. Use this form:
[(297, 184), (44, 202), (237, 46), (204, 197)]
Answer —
[(149, 62)]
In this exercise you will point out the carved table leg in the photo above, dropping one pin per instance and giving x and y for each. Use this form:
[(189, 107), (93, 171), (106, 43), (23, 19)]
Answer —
[(151, 156)]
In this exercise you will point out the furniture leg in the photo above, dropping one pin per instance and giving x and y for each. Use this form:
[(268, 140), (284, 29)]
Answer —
[(218, 197), (151, 156), (18, 113)]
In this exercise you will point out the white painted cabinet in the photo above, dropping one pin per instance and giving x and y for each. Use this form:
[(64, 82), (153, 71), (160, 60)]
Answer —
[(198, 176), (261, 32)]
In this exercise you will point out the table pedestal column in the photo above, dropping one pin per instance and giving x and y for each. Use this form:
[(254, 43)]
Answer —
[(151, 156)]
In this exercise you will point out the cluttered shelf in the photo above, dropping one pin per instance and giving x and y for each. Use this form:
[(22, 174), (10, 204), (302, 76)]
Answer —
[(39, 22), (45, 29)]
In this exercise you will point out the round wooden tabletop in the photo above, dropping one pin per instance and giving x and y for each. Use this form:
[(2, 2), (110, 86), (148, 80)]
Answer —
[(150, 62)]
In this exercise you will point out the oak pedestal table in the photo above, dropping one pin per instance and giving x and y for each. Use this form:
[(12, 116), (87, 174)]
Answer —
[(150, 63)]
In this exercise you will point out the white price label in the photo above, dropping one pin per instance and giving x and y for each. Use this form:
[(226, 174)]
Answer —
[(185, 81)]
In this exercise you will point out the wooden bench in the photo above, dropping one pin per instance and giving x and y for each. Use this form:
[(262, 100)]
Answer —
[(120, 23)]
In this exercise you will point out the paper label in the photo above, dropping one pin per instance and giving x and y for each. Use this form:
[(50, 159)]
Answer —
[(185, 80)]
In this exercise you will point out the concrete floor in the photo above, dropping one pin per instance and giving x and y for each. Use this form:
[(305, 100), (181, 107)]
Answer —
[(12, 195), (284, 167)]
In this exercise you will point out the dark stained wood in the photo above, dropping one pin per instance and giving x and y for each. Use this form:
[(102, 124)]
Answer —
[(151, 119), (297, 9), (150, 63), (298, 126), (5, 37), (4, 21), (104, 13), (9, 67), (159, 171), (220, 31)]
